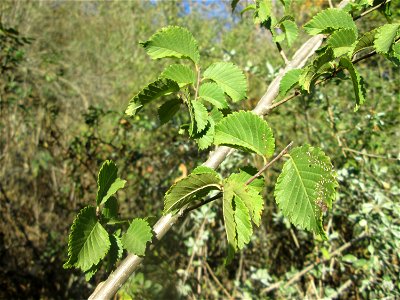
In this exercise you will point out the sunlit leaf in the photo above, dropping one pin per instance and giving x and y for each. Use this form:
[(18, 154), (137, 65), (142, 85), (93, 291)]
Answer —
[(172, 41), (88, 241), (181, 74), (137, 236), (229, 78), (329, 20), (306, 188), (245, 131), (212, 93)]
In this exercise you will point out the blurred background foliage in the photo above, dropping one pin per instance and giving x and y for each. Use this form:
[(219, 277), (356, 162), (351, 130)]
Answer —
[(68, 70)]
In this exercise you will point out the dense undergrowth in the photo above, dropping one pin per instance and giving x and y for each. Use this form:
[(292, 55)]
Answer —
[(67, 72)]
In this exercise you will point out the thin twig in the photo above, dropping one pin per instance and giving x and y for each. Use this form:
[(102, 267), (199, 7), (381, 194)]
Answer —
[(370, 155), (216, 280), (282, 53), (283, 152), (196, 92), (307, 269), (371, 10), (194, 250)]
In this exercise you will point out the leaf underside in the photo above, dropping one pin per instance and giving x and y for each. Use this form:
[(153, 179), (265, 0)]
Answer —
[(153, 91), (306, 188), (190, 188), (358, 82), (137, 236), (342, 41)]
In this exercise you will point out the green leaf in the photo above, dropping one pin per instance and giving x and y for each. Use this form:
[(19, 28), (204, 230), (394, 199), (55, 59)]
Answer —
[(245, 131), (116, 250), (211, 92), (264, 10), (200, 115), (137, 236), (190, 188), (229, 78), (88, 241), (291, 31), (93, 270), (168, 110), (110, 209), (319, 65), (366, 41), (230, 224), (181, 74), (329, 20), (207, 137), (286, 4), (358, 82), (172, 41), (245, 173), (385, 37), (306, 188), (153, 91), (107, 182), (234, 4), (248, 194), (244, 230), (205, 170), (342, 41), (289, 81)]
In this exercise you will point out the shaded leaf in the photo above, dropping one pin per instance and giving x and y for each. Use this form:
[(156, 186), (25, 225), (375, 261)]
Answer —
[(306, 188), (319, 65), (245, 131), (169, 109), (110, 209), (366, 41), (153, 91), (137, 236), (172, 41), (229, 78), (207, 137), (116, 250), (107, 181), (358, 82)]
